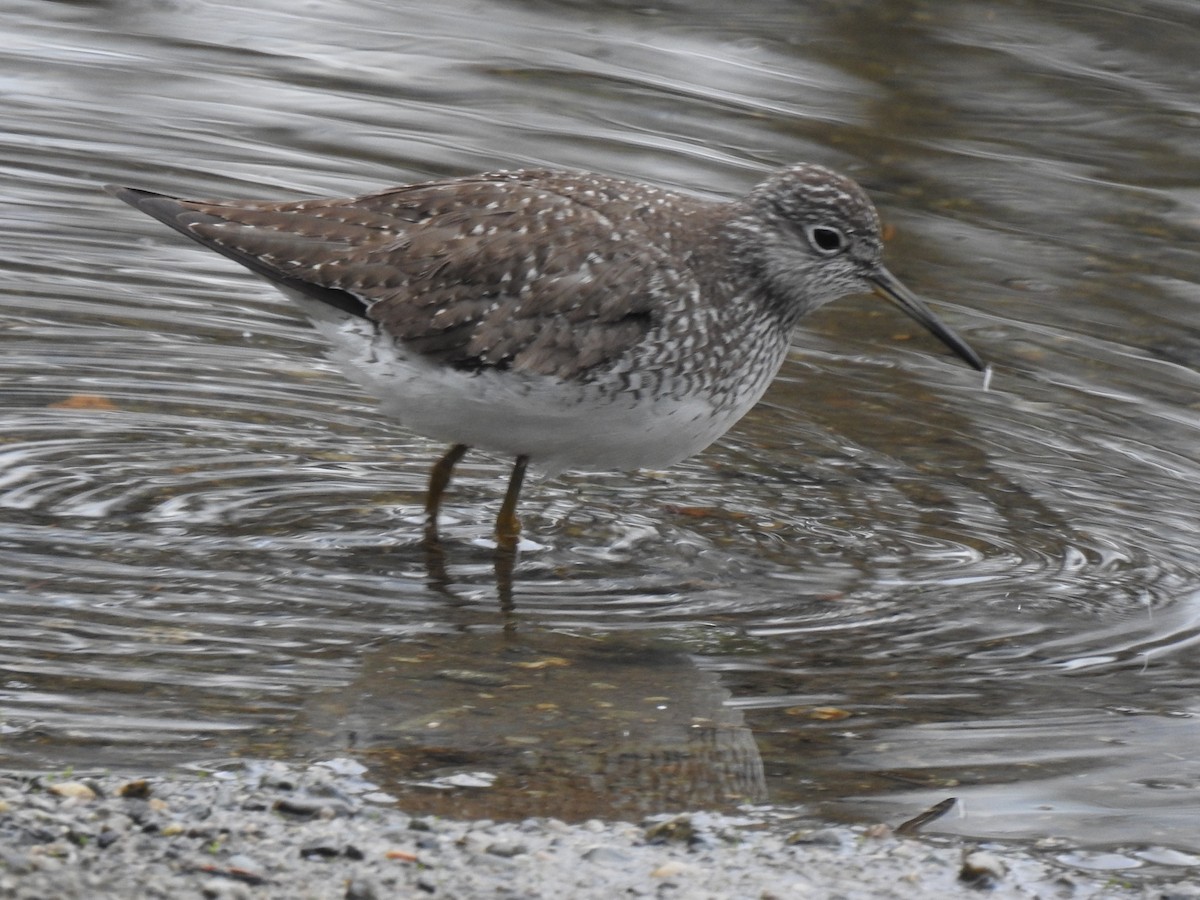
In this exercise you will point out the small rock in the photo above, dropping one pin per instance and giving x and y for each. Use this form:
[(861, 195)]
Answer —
[(468, 780), (606, 856), (135, 790), (107, 838), (118, 823), (330, 790), (822, 837), (506, 850), (245, 868), (361, 888), (74, 790), (223, 889), (981, 869), (50, 850), (280, 781), (323, 851), (548, 826), (342, 765), (475, 842), (669, 869), (678, 829), (312, 807), (1165, 856)]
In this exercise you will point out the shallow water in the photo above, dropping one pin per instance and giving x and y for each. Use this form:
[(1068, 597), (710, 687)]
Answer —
[(885, 587)]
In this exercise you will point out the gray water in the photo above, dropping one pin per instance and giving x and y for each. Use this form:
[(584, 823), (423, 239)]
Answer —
[(885, 587)]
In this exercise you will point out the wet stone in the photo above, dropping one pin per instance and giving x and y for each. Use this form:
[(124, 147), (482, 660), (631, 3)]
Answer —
[(313, 807), (363, 889), (670, 869), (319, 851), (281, 781), (244, 862), (331, 792), (73, 790), (506, 850), (135, 790), (677, 830), (372, 856), (981, 869), (822, 837), (607, 856)]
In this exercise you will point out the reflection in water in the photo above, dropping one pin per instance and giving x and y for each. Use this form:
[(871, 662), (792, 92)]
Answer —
[(206, 538), (501, 725)]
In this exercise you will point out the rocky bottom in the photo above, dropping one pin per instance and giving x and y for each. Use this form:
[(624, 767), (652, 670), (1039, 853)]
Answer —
[(275, 831)]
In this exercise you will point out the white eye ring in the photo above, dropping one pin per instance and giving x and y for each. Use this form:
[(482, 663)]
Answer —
[(825, 239)]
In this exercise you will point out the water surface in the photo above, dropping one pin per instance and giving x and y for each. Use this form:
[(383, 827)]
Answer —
[(885, 587)]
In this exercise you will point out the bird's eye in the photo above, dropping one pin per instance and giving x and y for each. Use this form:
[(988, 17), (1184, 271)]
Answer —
[(826, 240)]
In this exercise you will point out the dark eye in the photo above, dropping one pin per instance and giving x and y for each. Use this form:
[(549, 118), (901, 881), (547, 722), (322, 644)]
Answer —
[(826, 240)]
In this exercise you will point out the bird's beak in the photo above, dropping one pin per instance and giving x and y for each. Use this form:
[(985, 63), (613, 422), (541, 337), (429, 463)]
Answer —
[(889, 287)]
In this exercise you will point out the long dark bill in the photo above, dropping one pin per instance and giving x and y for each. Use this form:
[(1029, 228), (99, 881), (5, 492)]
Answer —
[(890, 288)]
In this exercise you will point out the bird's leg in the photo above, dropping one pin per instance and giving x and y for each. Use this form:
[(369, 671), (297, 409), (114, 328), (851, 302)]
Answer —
[(439, 478), (508, 526)]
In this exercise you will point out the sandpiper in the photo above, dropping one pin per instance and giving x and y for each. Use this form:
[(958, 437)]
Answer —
[(565, 319)]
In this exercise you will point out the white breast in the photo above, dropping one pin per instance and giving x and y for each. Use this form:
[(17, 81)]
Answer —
[(557, 424)]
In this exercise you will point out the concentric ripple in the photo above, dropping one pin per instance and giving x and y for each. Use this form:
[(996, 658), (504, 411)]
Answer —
[(886, 586)]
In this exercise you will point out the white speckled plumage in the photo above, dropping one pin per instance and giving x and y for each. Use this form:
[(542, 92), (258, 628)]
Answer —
[(567, 319)]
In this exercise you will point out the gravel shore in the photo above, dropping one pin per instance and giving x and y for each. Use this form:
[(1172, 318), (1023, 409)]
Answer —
[(275, 831)]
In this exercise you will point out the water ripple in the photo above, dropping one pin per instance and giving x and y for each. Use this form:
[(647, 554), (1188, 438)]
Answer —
[(888, 575)]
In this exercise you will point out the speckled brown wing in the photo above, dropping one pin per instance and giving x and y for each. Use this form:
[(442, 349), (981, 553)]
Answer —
[(525, 270)]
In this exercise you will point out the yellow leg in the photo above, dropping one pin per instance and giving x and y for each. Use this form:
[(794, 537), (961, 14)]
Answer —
[(439, 478), (508, 526)]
